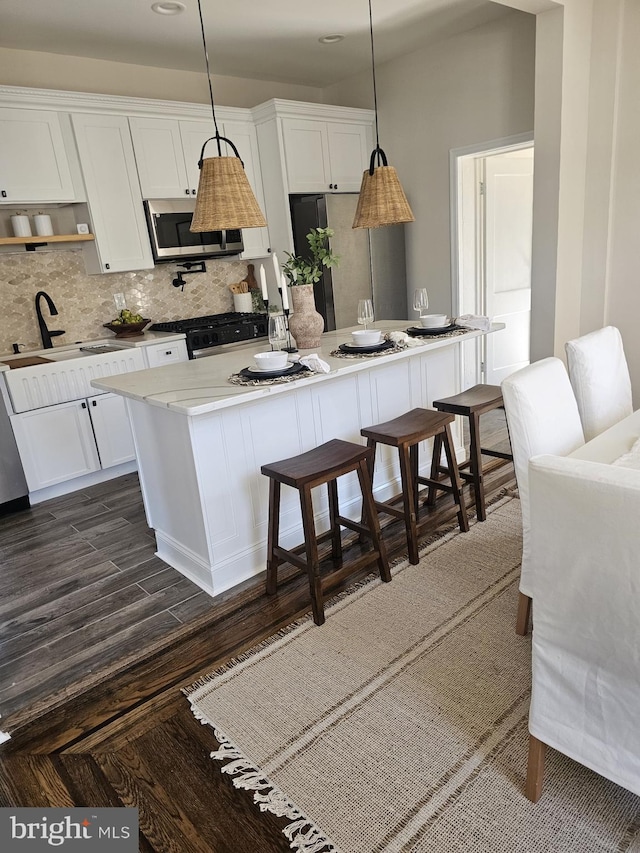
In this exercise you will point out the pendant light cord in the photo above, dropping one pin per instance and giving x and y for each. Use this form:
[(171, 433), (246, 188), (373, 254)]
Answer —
[(373, 74), (206, 57)]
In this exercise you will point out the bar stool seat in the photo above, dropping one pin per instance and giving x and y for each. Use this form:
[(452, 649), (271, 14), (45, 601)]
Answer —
[(471, 404), (304, 472), (406, 432)]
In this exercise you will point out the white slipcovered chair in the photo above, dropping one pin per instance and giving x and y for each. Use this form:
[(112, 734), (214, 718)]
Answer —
[(600, 378), (542, 417), (585, 545)]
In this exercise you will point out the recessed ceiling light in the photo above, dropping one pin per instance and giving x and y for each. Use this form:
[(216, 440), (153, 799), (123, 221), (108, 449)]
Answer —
[(332, 39), (168, 8)]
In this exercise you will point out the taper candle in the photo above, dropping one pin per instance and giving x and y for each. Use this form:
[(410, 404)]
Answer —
[(276, 268), (263, 282), (285, 294)]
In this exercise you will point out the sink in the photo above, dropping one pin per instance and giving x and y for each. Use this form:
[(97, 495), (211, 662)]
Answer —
[(63, 355)]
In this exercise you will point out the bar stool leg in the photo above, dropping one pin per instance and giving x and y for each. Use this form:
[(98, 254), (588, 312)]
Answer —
[(435, 469), (370, 514), (336, 539), (311, 548), (409, 503), (274, 532), (456, 481), (475, 458), (413, 458)]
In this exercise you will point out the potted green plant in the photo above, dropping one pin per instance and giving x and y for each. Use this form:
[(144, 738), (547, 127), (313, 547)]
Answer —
[(306, 324)]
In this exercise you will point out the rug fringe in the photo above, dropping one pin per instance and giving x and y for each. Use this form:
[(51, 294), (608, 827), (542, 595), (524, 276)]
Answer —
[(303, 834)]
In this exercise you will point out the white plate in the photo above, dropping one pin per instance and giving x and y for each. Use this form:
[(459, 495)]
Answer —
[(351, 345)]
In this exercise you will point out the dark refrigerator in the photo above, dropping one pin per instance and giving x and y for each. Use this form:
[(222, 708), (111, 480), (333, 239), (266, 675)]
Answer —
[(372, 261)]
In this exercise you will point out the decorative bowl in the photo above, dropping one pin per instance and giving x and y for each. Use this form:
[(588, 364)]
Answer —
[(433, 321), (366, 337), (126, 330), (270, 360)]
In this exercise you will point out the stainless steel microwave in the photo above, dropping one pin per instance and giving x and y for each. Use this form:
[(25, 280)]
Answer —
[(169, 221)]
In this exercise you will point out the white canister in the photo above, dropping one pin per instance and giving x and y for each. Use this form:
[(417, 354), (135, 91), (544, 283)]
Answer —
[(43, 225), (21, 225), (242, 302)]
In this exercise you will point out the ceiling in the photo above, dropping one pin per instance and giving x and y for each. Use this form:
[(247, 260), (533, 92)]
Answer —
[(264, 39)]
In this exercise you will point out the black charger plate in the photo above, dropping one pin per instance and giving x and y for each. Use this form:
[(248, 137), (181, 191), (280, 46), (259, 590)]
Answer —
[(353, 349), (420, 331), (289, 370)]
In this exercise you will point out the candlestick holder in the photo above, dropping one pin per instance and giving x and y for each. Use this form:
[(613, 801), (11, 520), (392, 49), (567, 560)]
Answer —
[(286, 312), (266, 306)]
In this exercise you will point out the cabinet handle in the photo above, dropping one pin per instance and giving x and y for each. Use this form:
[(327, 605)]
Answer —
[(84, 405), (93, 403), (193, 192), (4, 193), (169, 352), (330, 186), (335, 186), (107, 267), (186, 192)]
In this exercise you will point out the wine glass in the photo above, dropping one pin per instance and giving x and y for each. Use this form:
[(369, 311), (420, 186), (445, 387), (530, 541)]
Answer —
[(420, 300), (277, 331), (365, 312)]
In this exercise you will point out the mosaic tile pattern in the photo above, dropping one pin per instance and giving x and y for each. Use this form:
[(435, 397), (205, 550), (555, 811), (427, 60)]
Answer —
[(85, 302)]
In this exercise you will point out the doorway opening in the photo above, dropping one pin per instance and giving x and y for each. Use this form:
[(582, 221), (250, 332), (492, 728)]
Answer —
[(492, 215)]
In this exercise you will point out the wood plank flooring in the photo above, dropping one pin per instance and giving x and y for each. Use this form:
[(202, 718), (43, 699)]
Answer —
[(98, 637)]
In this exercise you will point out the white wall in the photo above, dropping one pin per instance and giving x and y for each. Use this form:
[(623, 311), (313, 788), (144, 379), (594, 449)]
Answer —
[(79, 74), (475, 87)]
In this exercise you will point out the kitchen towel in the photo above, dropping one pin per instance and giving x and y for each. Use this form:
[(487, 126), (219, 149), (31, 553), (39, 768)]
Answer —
[(474, 321), (315, 363)]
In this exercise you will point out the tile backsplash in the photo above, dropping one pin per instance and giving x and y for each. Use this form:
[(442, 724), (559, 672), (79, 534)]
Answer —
[(85, 302)]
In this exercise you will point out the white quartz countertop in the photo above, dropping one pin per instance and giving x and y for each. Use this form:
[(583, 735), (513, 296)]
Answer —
[(200, 386)]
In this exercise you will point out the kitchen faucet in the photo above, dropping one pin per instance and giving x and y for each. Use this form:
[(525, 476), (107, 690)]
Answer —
[(45, 334)]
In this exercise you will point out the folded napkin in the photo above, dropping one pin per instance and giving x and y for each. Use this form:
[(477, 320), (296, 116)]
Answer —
[(315, 363), (402, 339), (474, 321), (630, 459)]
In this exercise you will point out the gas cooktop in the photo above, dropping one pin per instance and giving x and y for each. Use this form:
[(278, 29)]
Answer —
[(203, 333)]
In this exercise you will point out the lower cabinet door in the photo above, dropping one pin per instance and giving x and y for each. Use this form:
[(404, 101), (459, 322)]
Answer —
[(111, 429), (55, 443)]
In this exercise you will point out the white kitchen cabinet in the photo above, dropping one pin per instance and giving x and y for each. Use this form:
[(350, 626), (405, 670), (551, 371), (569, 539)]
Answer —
[(157, 355), (66, 441), (167, 153), (113, 193), (34, 165), (325, 156)]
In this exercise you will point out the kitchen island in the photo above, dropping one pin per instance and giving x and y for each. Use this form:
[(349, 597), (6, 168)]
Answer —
[(200, 442)]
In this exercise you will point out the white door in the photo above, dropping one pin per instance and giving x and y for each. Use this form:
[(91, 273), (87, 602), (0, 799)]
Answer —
[(194, 134), (508, 209), (158, 149), (306, 150), (112, 429), (349, 150)]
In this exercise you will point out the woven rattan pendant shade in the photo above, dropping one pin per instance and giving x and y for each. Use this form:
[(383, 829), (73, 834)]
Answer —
[(382, 200), (225, 198)]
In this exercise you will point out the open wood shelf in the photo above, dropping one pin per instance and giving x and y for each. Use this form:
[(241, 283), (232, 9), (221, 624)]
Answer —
[(53, 238)]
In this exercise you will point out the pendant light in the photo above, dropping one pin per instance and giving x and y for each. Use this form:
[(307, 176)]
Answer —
[(382, 200), (225, 199)]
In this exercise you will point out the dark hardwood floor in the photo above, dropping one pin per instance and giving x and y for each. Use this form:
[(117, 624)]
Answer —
[(99, 637)]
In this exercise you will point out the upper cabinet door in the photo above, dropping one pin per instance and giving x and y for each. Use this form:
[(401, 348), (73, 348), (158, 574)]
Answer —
[(244, 137), (158, 149), (113, 192), (306, 150), (194, 134), (33, 161), (349, 150)]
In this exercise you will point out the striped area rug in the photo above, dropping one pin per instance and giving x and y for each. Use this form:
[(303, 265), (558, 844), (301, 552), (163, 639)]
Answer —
[(401, 724)]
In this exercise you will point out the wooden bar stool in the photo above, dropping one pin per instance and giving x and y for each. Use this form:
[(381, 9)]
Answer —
[(323, 465), (405, 433), (471, 404)]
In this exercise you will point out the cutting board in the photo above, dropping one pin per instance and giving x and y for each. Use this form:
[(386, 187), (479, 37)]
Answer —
[(27, 361)]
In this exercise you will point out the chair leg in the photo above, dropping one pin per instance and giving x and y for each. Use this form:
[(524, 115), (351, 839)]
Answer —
[(535, 769), (273, 534), (413, 460), (371, 465), (435, 469), (410, 519), (311, 548), (370, 517), (475, 457), (456, 481), (336, 539), (523, 618)]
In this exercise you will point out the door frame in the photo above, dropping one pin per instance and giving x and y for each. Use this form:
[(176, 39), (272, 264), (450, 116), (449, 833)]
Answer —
[(471, 352)]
